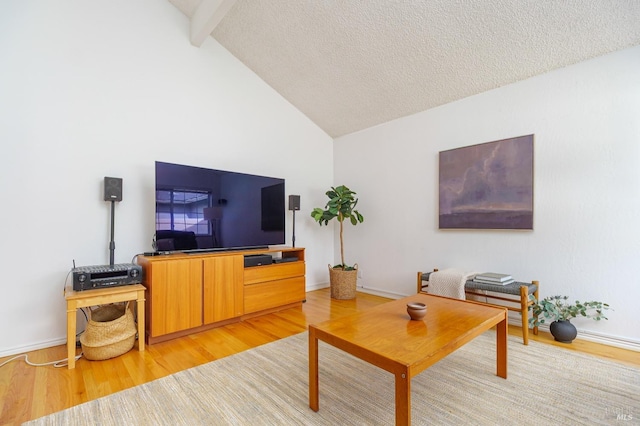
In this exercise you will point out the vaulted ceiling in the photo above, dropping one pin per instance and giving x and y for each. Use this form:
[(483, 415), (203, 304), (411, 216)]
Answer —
[(352, 64)]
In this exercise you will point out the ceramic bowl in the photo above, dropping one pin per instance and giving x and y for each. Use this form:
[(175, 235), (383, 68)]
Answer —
[(416, 310)]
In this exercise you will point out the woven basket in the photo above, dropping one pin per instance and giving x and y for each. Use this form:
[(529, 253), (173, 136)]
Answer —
[(110, 332), (343, 283)]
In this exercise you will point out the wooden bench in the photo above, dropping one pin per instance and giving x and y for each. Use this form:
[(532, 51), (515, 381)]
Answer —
[(516, 296)]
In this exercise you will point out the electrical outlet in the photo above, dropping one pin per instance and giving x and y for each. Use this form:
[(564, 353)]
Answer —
[(359, 273)]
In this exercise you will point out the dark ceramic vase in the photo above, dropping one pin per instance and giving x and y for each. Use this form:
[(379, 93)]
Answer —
[(563, 331)]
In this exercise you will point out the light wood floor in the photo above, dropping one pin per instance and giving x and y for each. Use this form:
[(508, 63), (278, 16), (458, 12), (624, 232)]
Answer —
[(28, 392)]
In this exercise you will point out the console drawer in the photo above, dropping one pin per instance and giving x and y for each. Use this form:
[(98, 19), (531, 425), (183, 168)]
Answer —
[(277, 271), (271, 294)]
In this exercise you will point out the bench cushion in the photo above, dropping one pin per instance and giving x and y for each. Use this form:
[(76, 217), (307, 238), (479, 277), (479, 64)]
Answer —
[(513, 288)]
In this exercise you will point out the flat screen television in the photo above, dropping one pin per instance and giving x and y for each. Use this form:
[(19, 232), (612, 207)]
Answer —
[(200, 209)]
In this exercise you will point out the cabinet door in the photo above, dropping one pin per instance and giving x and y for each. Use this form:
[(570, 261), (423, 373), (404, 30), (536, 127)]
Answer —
[(176, 296), (223, 288)]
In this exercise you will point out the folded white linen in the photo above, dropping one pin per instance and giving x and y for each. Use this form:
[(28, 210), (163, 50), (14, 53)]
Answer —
[(449, 282)]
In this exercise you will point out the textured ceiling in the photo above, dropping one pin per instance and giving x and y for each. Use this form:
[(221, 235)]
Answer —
[(350, 65)]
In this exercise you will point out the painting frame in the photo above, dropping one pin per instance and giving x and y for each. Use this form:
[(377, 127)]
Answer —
[(487, 185)]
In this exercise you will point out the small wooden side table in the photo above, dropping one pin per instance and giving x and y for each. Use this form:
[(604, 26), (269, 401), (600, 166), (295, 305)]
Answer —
[(101, 296)]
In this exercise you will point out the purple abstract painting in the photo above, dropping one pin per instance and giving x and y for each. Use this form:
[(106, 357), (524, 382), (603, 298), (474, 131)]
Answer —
[(488, 186)]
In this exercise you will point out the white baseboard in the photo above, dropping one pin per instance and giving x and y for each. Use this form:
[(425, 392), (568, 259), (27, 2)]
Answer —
[(34, 347), (318, 286), (381, 293), (615, 341), (369, 290)]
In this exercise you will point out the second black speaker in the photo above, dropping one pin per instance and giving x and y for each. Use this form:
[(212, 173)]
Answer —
[(112, 189), (294, 202)]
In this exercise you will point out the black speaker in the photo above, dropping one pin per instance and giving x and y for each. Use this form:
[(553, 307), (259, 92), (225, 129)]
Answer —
[(112, 189), (294, 202)]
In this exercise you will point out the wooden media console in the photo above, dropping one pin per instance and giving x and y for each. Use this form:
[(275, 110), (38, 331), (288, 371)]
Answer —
[(191, 292)]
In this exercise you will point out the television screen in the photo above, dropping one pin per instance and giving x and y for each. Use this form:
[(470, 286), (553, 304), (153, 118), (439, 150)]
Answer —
[(204, 209)]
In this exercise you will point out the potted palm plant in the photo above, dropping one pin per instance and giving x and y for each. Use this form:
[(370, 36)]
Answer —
[(557, 310), (341, 206)]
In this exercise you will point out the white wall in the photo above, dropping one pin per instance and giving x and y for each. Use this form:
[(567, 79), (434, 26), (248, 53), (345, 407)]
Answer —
[(94, 89), (586, 237)]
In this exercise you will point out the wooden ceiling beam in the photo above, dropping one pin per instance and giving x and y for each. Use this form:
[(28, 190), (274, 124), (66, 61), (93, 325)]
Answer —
[(206, 17)]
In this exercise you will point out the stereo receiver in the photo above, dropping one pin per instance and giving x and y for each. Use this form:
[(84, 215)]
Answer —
[(101, 276)]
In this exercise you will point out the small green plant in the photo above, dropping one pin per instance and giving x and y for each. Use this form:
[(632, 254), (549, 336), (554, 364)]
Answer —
[(341, 206), (556, 308)]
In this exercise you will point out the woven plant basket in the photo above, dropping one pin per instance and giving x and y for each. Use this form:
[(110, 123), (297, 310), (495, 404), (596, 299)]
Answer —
[(343, 283), (110, 332)]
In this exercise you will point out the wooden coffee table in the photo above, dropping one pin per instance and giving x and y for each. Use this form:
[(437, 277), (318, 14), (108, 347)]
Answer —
[(385, 337)]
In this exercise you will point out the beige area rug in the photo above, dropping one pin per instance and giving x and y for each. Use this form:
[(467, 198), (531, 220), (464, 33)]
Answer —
[(268, 385)]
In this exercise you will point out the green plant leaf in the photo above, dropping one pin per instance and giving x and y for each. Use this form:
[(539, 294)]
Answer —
[(557, 308), (341, 206)]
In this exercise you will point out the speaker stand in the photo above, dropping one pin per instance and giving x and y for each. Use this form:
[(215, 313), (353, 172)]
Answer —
[(293, 238), (112, 244)]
